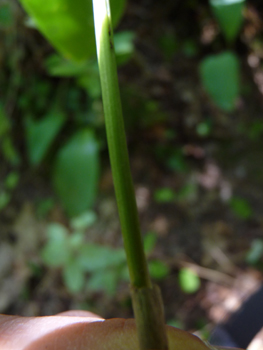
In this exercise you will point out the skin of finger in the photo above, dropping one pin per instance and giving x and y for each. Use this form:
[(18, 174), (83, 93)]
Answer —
[(81, 313), (68, 332)]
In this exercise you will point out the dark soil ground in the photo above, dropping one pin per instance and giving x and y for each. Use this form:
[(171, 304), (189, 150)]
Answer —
[(200, 230)]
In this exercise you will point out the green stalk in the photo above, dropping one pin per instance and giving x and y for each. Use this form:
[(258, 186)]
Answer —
[(147, 302), (119, 158)]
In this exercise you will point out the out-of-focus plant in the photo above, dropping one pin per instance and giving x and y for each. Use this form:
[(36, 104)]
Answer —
[(77, 258), (6, 143), (91, 266), (255, 252), (220, 73), (241, 207), (74, 180), (189, 281)]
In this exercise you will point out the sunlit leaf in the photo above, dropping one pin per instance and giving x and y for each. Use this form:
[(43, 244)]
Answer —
[(68, 24), (76, 172), (220, 77), (41, 133), (229, 14), (189, 281)]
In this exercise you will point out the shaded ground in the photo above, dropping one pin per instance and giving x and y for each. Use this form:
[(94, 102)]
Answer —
[(199, 228)]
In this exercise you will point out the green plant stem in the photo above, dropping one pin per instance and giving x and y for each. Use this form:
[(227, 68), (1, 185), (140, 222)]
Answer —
[(119, 158), (146, 298)]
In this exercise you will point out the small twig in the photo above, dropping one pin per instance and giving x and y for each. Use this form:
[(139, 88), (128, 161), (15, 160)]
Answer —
[(209, 274)]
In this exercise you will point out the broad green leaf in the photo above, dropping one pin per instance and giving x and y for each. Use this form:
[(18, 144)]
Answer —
[(220, 77), (68, 24), (189, 281), (74, 277), (40, 135), (76, 172), (229, 14)]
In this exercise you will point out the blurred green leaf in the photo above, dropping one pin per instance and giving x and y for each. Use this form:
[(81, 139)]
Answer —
[(204, 128), (11, 180), (220, 78), (44, 206), (190, 48), (6, 15), (83, 221), (176, 323), (76, 172), (241, 207), (59, 66), (255, 131), (56, 252), (74, 277), (229, 14), (189, 281), (76, 240), (158, 269), (93, 257), (169, 44), (255, 252), (124, 47), (41, 133), (68, 24), (56, 232), (165, 194), (103, 280), (9, 151), (4, 199), (149, 241), (187, 193), (4, 122)]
